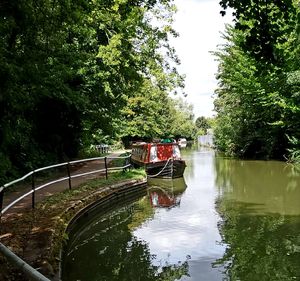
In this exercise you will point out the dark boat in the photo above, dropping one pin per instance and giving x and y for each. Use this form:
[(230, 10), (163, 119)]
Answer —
[(161, 160)]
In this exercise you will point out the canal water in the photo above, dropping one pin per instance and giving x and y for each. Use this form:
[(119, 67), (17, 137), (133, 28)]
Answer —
[(226, 219)]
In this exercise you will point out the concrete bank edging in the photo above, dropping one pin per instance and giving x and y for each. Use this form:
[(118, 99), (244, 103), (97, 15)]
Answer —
[(116, 192), (114, 195)]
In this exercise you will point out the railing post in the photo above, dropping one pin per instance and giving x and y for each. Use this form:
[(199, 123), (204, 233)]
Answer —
[(33, 188), (105, 163), (128, 162), (1, 200), (69, 175)]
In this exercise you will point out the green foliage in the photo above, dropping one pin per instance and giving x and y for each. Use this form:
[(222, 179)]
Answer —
[(69, 67), (151, 113), (257, 100), (201, 132), (265, 25), (294, 151), (145, 113), (202, 124), (181, 120)]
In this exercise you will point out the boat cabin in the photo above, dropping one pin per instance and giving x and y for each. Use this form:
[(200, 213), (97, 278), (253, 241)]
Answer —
[(155, 152)]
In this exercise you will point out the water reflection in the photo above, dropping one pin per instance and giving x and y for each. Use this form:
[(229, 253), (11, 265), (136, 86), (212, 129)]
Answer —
[(189, 230), (228, 220), (272, 186), (259, 205), (108, 250), (166, 193)]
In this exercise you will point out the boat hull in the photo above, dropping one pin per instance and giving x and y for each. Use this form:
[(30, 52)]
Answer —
[(166, 169)]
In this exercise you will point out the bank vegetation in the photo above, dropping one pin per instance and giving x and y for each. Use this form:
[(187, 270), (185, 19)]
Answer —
[(80, 73), (258, 97)]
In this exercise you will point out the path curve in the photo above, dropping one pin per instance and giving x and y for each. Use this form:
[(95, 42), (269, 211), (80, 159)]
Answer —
[(54, 188)]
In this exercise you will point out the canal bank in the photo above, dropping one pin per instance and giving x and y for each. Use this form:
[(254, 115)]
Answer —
[(38, 235)]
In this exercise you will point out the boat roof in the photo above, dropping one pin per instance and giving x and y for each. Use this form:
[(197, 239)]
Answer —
[(154, 143)]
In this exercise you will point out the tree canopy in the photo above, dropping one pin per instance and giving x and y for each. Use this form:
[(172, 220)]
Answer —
[(70, 69), (151, 113), (257, 99), (203, 124)]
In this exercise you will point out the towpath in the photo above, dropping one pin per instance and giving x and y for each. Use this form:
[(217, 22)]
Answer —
[(56, 187)]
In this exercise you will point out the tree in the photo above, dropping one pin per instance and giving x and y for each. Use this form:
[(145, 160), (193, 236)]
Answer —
[(69, 67), (180, 120), (152, 113), (202, 124), (265, 25), (145, 113), (256, 103)]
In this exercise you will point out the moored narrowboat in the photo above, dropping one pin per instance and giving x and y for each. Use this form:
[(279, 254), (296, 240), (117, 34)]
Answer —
[(161, 160)]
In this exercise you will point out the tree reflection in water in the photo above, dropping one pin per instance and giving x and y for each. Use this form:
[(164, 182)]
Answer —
[(260, 247), (260, 220), (107, 250)]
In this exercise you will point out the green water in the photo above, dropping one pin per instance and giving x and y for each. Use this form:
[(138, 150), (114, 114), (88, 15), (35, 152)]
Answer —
[(226, 220)]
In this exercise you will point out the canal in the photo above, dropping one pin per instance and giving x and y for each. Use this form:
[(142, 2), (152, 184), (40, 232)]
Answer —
[(226, 220)]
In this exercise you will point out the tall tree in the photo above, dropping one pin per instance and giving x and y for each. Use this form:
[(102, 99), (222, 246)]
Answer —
[(68, 68), (256, 104), (202, 124), (265, 24), (152, 113)]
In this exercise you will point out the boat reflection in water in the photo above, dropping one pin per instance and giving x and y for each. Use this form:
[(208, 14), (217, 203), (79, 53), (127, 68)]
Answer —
[(166, 193)]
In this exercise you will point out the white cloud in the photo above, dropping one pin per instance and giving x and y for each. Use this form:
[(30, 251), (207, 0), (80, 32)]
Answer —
[(172, 237), (199, 24)]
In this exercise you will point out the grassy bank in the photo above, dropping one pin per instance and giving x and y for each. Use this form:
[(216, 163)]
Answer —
[(38, 235)]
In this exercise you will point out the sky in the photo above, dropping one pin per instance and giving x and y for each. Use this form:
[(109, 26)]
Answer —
[(199, 25)]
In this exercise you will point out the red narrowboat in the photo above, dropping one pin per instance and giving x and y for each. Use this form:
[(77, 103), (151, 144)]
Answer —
[(161, 160)]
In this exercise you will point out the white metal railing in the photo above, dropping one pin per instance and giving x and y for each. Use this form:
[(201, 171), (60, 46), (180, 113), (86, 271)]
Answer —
[(30, 272), (69, 178)]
